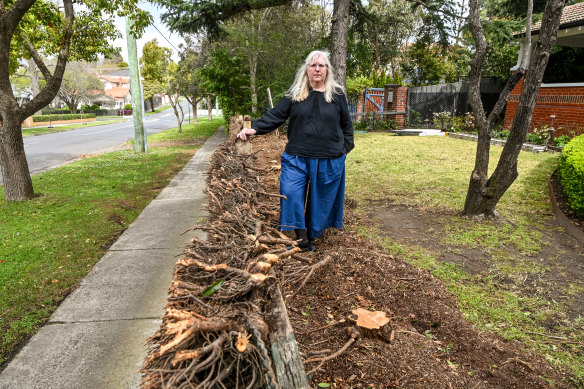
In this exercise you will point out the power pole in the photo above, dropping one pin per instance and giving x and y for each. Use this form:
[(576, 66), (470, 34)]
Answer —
[(136, 90)]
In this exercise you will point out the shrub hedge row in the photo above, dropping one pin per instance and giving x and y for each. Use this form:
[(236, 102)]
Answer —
[(571, 171), (56, 117)]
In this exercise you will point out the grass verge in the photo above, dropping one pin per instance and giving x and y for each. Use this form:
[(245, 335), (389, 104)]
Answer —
[(432, 174), (48, 244)]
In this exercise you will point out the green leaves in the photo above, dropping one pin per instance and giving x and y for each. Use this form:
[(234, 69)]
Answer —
[(155, 61), (212, 289)]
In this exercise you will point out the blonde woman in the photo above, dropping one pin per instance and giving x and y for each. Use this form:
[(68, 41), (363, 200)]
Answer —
[(320, 134)]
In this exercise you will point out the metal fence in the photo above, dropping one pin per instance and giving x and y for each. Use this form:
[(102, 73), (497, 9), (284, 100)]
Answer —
[(424, 101)]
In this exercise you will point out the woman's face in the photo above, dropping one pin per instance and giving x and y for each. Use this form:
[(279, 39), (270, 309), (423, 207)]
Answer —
[(317, 72)]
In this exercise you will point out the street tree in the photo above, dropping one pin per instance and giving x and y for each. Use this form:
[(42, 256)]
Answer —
[(173, 93), (151, 88), (79, 86), (484, 192), (226, 76), (193, 57), (37, 29), (154, 61), (154, 65)]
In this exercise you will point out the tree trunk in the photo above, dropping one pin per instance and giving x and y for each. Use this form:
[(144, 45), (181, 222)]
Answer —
[(210, 107), (15, 174), (194, 103), (174, 104), (484, 194), (35, 85), (253, 65), (339, 36)]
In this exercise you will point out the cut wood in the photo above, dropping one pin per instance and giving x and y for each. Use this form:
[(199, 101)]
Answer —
[(371, 320), (287, 362)]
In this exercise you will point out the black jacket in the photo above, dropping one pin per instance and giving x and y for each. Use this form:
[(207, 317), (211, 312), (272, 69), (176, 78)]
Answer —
[(317, 129)]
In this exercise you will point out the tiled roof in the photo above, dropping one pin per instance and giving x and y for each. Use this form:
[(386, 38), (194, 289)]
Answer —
[(118, 92), (572, 15)]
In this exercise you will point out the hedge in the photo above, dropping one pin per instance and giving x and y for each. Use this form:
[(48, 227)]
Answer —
[(571, 172), (57, 117)]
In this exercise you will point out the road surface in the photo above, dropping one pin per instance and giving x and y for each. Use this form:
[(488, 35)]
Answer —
[(48, 151)]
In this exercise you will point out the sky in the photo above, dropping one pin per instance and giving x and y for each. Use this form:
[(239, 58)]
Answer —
[(149, 34)]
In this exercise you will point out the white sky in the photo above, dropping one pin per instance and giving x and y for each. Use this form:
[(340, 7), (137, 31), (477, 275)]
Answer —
[(149, 34)]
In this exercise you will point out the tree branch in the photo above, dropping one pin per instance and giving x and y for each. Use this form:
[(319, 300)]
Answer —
[(11, 19), (36, 58), (436, 9), (50, 90)]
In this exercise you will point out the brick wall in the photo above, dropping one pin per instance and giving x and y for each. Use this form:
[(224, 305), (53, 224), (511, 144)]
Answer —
[(565, 102)]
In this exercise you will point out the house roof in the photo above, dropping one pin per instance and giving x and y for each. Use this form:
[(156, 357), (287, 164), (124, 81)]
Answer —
[(122, 72), (117, 92), (572, 16)]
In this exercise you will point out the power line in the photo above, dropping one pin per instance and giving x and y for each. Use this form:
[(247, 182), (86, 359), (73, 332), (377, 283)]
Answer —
[(153, 25)]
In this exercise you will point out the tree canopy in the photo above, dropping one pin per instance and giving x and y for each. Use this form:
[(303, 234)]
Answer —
[(39, 29)]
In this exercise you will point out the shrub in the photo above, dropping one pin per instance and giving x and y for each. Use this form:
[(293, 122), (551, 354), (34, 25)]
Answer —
[(128, 106), (442, 120), (501, 134), (562, 140), (56, 117), (416, 118), (538, 136), (571, 172), (371, 122)]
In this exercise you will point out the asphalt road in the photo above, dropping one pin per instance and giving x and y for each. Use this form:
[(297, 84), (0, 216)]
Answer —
[(48, 151)]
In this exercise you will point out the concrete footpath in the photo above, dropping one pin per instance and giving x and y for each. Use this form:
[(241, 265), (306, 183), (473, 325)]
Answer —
[(96, 338)]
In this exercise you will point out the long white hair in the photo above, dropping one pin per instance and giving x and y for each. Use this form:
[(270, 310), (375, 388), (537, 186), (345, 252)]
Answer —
[(300, 88)]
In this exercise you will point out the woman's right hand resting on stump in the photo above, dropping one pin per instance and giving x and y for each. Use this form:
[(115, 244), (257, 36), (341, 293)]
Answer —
[(243, 134)]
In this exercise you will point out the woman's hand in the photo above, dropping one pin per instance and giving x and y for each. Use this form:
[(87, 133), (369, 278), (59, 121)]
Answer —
[(245, 132)]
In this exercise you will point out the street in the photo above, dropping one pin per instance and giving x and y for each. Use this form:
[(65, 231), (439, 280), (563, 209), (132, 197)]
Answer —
[(48, 151)]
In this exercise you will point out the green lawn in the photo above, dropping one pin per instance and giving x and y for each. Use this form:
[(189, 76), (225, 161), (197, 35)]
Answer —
[(432, 174), (48, 244)]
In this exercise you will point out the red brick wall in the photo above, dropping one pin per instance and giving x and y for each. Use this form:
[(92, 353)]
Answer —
[(399, 104), (565, 102)]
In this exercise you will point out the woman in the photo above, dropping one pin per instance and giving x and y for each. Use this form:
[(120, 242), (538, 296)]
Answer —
[(320, 134)]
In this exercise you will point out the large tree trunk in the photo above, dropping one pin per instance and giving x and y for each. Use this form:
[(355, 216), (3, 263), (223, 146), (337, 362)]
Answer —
[(484, 193), (15, 174), (339, 35), (17, 181)]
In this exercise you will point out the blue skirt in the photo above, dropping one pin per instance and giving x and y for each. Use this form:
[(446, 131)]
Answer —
[(315, 193)]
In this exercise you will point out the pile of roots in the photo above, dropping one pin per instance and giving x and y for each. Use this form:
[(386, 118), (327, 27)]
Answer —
[(213, 331)]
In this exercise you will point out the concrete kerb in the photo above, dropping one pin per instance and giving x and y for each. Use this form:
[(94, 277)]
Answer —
[(96, 338)]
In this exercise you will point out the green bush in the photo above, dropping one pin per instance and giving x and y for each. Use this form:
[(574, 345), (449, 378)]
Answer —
[(501, 134), (371, 122), (571, 172), (56, 117), (538, 136), (562, 140)]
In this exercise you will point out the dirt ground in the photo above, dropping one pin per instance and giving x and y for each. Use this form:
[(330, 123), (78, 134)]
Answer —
[(429, 344), (426, 344)]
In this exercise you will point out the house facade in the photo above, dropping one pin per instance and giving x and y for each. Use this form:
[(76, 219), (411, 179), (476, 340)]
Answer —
[(117, 88), (559, 105)]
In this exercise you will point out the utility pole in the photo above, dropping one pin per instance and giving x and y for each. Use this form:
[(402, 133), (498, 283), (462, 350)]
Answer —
[(136, 90)]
